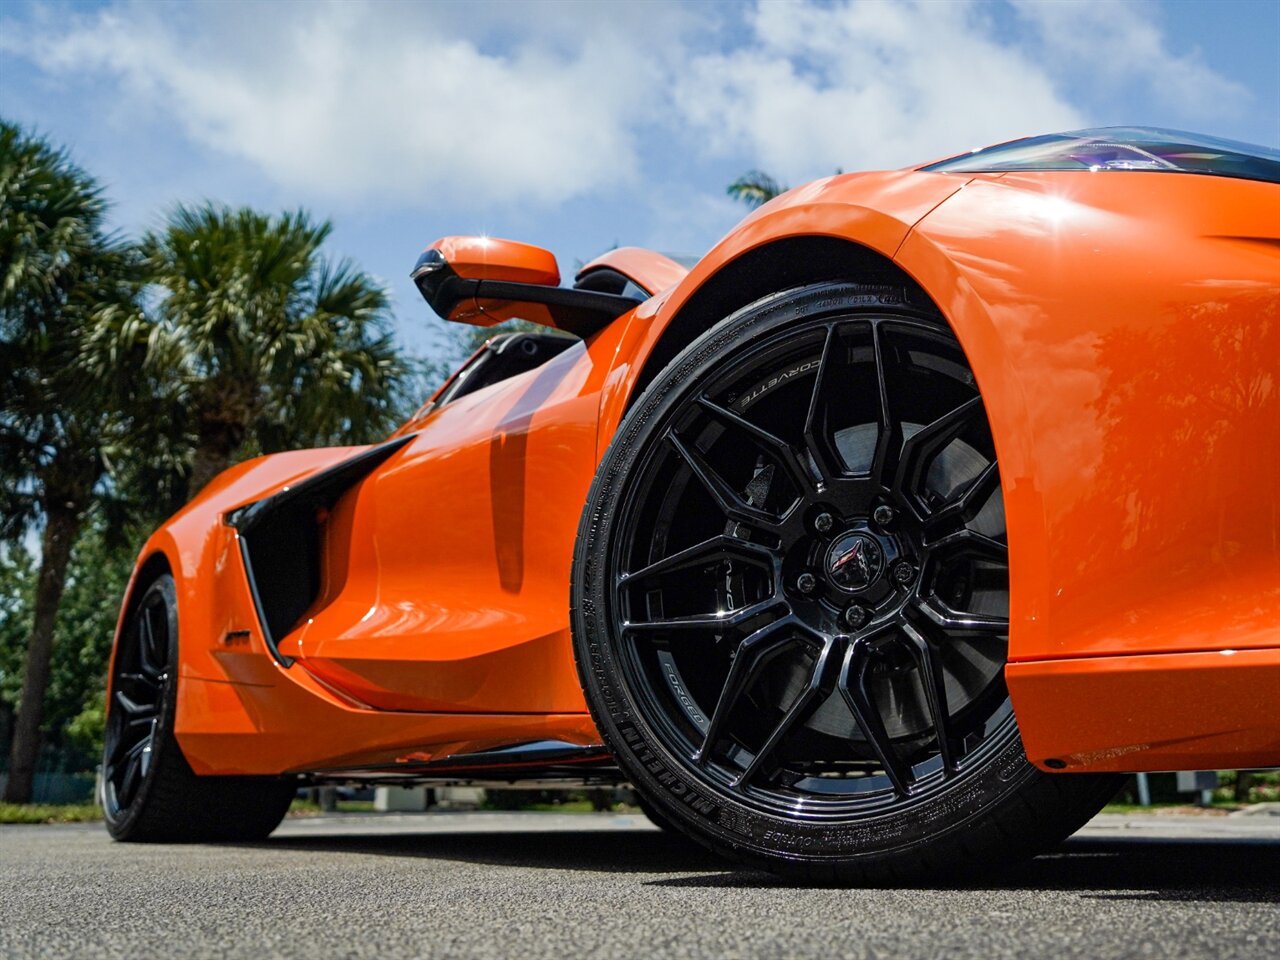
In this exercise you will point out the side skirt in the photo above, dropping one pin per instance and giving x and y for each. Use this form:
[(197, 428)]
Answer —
[(1211, 710), (541, 761)]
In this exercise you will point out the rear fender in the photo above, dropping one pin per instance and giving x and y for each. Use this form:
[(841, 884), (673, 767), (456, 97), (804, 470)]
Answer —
[(220, 641)]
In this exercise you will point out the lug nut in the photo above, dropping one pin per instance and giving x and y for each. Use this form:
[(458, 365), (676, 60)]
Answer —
[(806, 583), (823, 523), (883, 515), (855, 616), (904, 572)]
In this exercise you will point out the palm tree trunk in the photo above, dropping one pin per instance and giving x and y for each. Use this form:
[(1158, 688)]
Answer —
[(1244, 782), (216, 442), (62, 527)]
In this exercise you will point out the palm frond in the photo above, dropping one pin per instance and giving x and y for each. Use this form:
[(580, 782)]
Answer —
[(755, 188)]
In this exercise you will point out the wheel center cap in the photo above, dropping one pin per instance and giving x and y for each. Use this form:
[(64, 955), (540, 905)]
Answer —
[(854, 561)]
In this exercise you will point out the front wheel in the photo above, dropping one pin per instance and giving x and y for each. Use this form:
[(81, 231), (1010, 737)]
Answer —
[(790, 599), (149, 791)]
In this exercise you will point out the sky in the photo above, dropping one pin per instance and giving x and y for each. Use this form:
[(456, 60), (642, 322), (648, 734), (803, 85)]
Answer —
[(581, 125)]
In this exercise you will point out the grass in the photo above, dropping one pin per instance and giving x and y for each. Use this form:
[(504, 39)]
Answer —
[(49, 812), (569, 806), (1221, 806), (309, 808)]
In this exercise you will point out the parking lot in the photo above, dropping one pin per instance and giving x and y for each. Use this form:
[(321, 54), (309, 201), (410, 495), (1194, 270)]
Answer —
[(577, 886)]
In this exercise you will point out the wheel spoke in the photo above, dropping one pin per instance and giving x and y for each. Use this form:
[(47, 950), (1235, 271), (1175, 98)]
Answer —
[(966, 541), (119, 746), (727, 499), (144, 758), (852, 686), (889, 442), (132, 773), (956, 621), (715, 548), (817, 432), (717, 621), (930, 439), (810, 698), (144, 678), (752, 655), (147, 646), (964, 508), (778, 448), (932, 678), (131, 706)]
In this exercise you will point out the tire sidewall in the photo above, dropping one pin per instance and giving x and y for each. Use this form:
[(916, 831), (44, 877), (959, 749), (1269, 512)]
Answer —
[(706, 809)]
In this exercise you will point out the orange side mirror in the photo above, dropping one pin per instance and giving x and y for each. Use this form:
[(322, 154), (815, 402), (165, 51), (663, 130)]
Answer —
[(489, 258), (483, 281)]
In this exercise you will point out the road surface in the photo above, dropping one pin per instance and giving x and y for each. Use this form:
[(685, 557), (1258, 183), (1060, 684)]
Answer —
[(534, 885)]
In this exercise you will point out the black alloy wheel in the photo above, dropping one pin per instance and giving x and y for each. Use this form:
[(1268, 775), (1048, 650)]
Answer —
[(140, 680), (149, 791), (792, 588)]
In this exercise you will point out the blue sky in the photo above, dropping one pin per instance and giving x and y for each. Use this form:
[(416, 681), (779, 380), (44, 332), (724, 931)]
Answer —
[(580, 125)]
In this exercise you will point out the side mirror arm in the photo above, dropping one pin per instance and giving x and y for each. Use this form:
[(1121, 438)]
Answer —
[(487, 302)]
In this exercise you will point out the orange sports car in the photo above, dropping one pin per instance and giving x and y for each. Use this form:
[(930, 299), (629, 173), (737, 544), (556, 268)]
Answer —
[(876, 542)]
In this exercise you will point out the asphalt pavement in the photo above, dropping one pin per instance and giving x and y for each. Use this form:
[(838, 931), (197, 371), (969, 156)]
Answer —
[(532, 885)]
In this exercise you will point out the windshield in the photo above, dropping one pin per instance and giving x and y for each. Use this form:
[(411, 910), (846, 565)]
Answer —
[(1122, 148)]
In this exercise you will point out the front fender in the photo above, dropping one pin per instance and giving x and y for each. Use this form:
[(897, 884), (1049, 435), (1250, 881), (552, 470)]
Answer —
[(874, 210), (1124, 331)]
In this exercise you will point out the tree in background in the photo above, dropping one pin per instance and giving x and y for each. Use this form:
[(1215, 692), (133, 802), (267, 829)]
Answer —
[(257, 343), (17, 577), (73, 709), (60, 275), (755, 188), (112, 413)]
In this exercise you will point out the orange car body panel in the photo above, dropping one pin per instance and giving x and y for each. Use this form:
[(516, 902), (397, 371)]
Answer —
[(483, 505), (491, 258), (1125, 333), (1120, 404), (1211, 710), (652, 272), (1137, 421)]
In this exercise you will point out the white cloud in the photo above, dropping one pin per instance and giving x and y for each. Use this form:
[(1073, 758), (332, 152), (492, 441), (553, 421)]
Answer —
[(535, 103), (1119, 45), (379, 100), (867, 84)]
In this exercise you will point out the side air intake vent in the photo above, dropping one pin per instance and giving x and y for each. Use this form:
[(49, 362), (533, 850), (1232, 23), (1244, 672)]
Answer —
[(280, 541)]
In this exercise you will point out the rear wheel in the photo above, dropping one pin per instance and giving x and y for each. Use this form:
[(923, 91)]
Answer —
[(149, 792), (791, 599)]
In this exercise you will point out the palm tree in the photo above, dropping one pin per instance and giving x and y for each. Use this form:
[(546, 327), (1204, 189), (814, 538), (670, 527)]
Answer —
[(258, 342), (755, 188), (60, 273)]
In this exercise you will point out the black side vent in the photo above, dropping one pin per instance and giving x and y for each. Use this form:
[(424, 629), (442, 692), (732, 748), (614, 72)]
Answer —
[(280, 541)]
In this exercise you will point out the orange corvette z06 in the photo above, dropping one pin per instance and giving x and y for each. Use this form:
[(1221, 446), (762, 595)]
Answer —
[(878, 541)]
